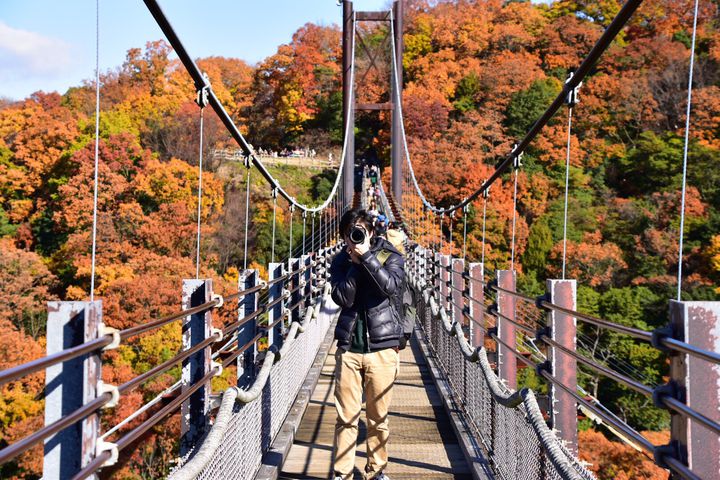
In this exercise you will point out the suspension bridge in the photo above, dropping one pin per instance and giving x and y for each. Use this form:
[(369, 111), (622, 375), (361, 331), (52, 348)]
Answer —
[(458, 410)]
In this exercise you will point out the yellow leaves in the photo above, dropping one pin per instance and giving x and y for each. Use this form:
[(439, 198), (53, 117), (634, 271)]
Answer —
[(20, 210), (74, 292), (289, 109), (714, 254), (176, 181), (159, 346), (232, 275), (262, 269), (17, 404)]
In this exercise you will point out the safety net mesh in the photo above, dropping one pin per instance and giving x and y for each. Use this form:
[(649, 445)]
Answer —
[(504, 434)]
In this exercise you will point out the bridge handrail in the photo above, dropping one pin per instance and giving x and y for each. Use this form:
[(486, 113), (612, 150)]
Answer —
[(663, 396), (19, 371), (668, 401), (41, 363), (204, 454), (21, 446), (501, 394)]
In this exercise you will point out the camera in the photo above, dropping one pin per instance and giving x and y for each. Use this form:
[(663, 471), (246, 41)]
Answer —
[(357, 235)]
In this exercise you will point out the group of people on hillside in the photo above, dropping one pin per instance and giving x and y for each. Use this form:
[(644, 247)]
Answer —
[(288, 152)]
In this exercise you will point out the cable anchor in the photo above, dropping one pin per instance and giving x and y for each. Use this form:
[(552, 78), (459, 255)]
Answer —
[(486, 192), (517, 157), (572, 98), (202, 98)]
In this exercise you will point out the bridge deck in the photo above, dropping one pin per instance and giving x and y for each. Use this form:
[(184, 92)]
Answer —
[(422, 442)]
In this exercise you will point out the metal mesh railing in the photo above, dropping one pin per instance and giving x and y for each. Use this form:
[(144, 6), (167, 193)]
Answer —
[(249, 428), (508, 425)]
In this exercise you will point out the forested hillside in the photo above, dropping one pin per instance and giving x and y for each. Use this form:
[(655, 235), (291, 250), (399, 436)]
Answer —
[(477, 75)]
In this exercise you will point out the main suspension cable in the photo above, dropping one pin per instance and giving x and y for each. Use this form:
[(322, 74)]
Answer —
[(228, 122), (592, 57)]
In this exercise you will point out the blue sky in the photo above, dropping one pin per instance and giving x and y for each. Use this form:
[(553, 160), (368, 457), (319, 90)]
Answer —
[(50, 44)]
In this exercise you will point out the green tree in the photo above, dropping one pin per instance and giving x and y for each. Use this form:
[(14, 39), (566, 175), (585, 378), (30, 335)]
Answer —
[(526, 106), (466, 92), (540, 243)]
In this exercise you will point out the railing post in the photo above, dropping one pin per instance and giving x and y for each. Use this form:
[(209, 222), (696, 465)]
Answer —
[(563, 329), (195, 329), (275, 334), (70, 385), (507, 363), (294, 265), (306, 291), (458, 283), (477, 305), (445, 281), (437, 275), (698, 324), (247, 305)]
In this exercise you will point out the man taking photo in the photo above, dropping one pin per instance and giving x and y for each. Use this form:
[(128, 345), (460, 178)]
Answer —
[(367, 277)]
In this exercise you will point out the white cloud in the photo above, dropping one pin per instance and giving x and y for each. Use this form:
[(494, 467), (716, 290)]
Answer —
[(26, 54)]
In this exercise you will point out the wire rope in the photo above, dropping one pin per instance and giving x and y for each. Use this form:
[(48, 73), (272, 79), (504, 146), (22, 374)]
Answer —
[(247, 216), (514, 217), (464, 234), (292, 212), (685, 152), (272, 248), (567, 188), (202, 102), (97, 150)]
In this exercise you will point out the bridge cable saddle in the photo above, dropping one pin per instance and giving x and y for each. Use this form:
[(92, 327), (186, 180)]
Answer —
[(545, 331), (104, 330), (103, 388), (202, 97), (670, 389), (660, 452), (102, 446)]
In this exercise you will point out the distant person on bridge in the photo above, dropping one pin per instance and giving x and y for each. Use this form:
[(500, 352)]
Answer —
[(367, 279)]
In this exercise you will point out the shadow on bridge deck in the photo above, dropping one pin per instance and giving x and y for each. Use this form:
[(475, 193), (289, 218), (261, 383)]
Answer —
[(422, 442)]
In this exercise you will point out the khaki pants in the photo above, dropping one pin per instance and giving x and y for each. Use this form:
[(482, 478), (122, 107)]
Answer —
[(374, 373)]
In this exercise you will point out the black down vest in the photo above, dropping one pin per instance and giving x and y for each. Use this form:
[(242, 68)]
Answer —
[(369, 287)]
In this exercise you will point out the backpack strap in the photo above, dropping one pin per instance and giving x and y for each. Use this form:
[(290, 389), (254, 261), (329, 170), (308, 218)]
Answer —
[(383, 255)]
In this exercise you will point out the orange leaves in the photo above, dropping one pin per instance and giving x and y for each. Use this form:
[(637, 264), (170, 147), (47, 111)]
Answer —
[(612, 460), (706, 116), (591, 262), (25, 283)]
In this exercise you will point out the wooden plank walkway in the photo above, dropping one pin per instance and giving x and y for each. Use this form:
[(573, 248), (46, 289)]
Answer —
[(422, 442)]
